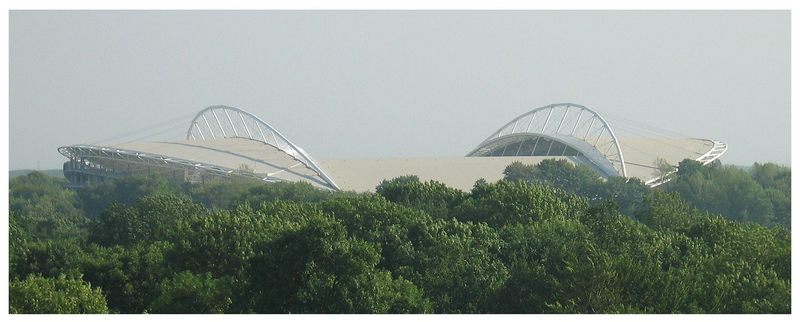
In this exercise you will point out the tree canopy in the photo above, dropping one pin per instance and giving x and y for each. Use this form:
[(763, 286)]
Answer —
[(549, 238)]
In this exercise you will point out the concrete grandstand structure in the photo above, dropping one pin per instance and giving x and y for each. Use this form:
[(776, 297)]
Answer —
[(224, 141)]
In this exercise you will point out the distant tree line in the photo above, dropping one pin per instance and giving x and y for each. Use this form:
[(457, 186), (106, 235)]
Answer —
[(761, 194), (551, 238)]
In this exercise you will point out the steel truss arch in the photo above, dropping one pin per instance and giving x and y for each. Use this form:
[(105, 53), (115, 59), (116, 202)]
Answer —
[(221, 121), (575, 126)]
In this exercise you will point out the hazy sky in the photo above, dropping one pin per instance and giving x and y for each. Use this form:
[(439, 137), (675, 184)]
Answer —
[(346, 84)]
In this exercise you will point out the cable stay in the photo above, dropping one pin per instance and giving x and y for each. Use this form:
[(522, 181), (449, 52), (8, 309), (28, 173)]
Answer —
[(178, 120)]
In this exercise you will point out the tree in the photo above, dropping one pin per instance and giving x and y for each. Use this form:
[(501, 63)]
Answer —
[(222, 194), (776, 181), (689, 167), (152, 218), (54, 295), (433, 197), (17, 246), (47, 258), (550, 238), (125, 191), (383, 223), (781, 206), (223, 242), (190, 293), (457, 265), (507, 202), (628, 193), (771, 175), (287, 191), (663, 168), (317, 269), (579, 179), (651, 271), (555, 263), (518, 171), (664, 210), (129, 276), (745, 287), (44, 209), (714, 269), (724, 190)]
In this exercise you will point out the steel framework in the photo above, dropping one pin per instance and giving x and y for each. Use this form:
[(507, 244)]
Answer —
[(230, 122), (563, 129), (571, 125), (75, 152), (214, 122)]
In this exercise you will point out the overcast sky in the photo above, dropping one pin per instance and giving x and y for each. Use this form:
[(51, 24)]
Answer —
[(347, 84)]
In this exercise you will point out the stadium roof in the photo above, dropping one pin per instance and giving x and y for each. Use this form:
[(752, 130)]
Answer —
[(220, 140), (227, 141), (580, 133)]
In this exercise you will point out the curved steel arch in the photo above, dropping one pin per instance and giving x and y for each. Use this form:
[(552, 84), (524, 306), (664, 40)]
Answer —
[(216, 122), (573, 125)]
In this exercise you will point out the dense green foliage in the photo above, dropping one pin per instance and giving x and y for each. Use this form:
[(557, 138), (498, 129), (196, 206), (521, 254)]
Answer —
[(43, 209), (515, 246), (581, 180), (761, 195), (37, 294), (189, 292), (126, 190)]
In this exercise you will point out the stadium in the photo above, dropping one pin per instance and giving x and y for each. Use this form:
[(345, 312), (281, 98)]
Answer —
[(228, 142)]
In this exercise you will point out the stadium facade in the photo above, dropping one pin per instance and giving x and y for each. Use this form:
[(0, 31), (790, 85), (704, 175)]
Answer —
[(224, 141)]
